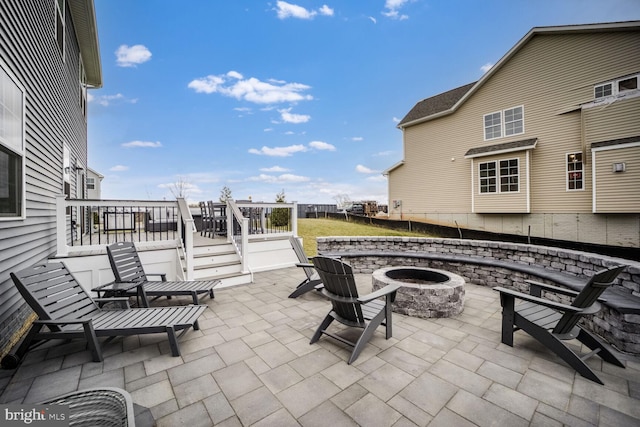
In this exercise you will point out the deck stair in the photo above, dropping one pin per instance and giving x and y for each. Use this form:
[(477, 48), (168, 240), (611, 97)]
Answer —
[(217, 259)]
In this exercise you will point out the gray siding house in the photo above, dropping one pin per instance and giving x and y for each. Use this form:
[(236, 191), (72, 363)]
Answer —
[(49, 56)]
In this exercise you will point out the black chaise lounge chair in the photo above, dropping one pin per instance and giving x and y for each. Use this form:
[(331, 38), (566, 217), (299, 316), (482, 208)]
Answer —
[(552, 322), (68, 312), (313, 280), (127, 269), (366, 312)]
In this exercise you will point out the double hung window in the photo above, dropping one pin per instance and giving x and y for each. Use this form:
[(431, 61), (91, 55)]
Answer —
[(575, 172), (11, 146), (505, 172), (504, 123)]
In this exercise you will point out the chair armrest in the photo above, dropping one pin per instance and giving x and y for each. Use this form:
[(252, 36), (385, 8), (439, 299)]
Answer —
[(551, 288), (537, 300), (304, 265), (106, 285), (63, 321), (389, 289), (124, 300), (163, 276), (536, 289)]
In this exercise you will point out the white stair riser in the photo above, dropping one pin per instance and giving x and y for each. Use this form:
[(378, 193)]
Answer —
[(216, 271), (215, 259)]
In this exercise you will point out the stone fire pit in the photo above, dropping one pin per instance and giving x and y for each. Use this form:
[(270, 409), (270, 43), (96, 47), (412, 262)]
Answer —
[(425, 292)]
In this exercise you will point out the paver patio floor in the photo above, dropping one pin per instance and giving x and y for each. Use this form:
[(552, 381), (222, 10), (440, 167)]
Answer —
[(251, 364)]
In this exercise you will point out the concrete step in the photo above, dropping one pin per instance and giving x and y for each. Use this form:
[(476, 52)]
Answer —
[(231, 279)]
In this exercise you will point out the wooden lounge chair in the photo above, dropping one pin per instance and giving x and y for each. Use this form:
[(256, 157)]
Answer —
[(366, 312), (128, 271), (552, 322), (104, 406), (313, 280), (68, 312)]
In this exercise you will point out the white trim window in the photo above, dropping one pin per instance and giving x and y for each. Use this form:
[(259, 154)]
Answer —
[(506, 172), (60, 25), (575, 172), (11, 146), (616, 87), (504, 123), (91, 183)]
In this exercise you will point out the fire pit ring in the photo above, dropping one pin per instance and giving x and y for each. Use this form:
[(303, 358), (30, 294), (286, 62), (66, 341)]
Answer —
[(425, 292)]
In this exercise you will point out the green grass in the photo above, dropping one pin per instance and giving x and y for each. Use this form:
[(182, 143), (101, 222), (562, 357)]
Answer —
[(310, 228)]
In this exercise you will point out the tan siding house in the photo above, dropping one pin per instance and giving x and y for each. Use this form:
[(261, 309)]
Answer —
[(530, 147)]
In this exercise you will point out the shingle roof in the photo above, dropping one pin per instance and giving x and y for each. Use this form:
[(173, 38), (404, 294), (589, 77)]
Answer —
[(615, 142), (436, 104), (505, 147)]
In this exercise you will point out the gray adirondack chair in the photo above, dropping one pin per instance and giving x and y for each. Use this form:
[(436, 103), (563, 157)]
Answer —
[(552, 322), (366, 312), (313, 280), (127, 269), (68, 312)]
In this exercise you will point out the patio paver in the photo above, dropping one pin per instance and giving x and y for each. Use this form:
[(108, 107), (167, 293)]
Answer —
[(251, 364)]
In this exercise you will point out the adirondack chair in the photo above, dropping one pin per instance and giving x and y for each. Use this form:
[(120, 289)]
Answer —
[(206, 228), (95, 407), (552, 322), (68, 312), (131, 279), (366, 312), (313, 280)]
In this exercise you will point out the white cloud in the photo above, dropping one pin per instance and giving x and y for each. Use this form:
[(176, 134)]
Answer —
[(320, 145), (278, 151), (119, 168), (396, 120), (364, 169), (325, 10), (377, 178), (374, 20), (392, 8), (287, 177), (234, 85), (144, 144), (288, 117), (384, 153), (130, 56), (287, 10), (357, 138), (486, 67), (274, 169), (107, 100)]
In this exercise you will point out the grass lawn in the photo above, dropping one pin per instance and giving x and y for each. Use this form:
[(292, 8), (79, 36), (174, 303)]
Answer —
[(310, 228)]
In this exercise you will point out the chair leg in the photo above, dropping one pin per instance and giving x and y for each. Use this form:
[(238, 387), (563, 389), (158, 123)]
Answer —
[(173, 341), (556, 345), (194, 296), (306, 286), (508, 318), (92, 341), (366, 335), (10, 361), (323, 326), (594, 343)]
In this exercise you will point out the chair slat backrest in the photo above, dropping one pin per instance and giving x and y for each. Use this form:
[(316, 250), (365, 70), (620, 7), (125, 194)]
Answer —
[(302, 257), (125, 262), (339, 287), (588, 296), (53, 293)]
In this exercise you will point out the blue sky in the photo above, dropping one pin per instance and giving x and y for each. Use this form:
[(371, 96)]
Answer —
[(302, 96)]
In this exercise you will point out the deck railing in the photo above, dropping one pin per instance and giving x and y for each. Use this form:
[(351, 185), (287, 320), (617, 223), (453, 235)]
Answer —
[(86, 225)]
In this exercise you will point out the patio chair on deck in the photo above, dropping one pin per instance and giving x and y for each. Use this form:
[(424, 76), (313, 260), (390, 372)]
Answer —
[(68, 312), (552, 322), (131, 280), (313, 280), (366, 312)]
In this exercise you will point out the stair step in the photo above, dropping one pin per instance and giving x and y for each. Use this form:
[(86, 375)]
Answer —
[(216, 265)]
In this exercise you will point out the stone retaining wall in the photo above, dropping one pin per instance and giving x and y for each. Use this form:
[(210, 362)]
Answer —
[(620, 330)]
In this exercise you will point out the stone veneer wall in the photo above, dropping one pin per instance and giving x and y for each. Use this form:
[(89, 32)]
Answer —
[(620, 330)]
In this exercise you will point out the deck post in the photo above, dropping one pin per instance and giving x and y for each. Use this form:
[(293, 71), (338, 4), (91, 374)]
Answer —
[(61, 226), (294, 219)]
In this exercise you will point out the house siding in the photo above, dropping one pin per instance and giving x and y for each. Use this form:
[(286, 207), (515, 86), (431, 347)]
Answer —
[(617, 192), (550, 75), (52, 117)]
